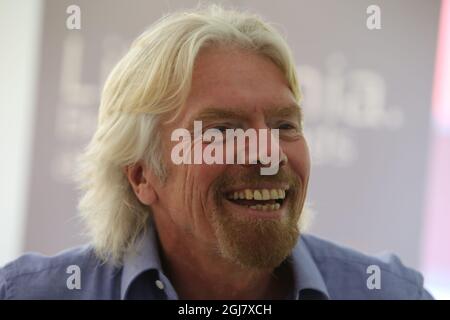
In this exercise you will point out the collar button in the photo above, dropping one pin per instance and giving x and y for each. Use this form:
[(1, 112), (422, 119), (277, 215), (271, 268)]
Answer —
[(159, 284)]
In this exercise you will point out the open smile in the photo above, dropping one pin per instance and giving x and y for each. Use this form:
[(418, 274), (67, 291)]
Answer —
[(258, 199)]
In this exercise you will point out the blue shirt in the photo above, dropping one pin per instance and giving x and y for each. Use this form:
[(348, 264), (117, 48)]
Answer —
[(321, 270)]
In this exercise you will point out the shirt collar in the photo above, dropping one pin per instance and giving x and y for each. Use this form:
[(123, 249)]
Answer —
[(308, 281), (144, 257)]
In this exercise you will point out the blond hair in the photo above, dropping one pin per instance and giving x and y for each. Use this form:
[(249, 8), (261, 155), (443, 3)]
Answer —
[(151, 80)]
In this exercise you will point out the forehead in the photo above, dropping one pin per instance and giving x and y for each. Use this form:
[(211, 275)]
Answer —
[(236, 81)]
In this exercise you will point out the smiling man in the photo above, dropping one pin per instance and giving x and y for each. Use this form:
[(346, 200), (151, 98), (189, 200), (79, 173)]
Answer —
[(165, 229)]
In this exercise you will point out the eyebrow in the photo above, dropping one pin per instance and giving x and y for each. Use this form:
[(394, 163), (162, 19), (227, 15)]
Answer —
[(288, 111), (215, 113)]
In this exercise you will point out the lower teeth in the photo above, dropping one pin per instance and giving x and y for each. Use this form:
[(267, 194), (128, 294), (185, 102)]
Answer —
[(265, 207)]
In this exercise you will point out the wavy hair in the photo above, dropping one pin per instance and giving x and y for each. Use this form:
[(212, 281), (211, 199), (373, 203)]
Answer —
[(154, 79)]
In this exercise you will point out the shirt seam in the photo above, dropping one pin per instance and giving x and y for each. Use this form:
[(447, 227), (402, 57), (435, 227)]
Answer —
[(12, 274), (6, 283), (350, 261), (18, 275)]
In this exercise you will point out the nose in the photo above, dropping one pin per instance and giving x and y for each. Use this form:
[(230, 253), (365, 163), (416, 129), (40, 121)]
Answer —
[(267, 150)]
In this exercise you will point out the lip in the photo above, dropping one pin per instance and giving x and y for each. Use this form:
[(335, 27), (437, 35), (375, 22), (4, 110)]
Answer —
[(268, 186), (257, 214)]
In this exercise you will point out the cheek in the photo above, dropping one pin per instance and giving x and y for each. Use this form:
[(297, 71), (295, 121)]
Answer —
[(298, 158), (205, 177), (190, 186), (196, 193)]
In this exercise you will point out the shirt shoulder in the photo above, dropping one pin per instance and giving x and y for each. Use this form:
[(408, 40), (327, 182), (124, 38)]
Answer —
[(75, 273), (349, 274)]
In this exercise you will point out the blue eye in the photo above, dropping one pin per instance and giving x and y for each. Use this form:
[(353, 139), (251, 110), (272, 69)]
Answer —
[(221, 128), (286, 126)]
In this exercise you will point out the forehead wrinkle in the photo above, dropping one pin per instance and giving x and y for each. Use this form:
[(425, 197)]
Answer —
[(216, 113), (285, 111)]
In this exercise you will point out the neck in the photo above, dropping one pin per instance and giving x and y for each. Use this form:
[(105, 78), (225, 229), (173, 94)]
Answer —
[(199, 272)]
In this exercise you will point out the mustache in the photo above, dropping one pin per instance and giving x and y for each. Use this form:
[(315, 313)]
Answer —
[(253, 177)]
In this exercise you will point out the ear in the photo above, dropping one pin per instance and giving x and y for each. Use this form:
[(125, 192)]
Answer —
[(142, 180)]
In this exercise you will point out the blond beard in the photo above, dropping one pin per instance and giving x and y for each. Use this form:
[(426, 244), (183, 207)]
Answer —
[(262, 243)]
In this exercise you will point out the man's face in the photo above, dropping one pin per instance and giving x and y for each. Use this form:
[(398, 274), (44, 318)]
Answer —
[(237, 89)]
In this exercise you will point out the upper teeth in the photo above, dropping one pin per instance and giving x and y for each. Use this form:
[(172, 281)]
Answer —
[(258, 194)]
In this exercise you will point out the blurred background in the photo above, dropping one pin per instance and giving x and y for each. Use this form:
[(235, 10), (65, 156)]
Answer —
[(376, 81)]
